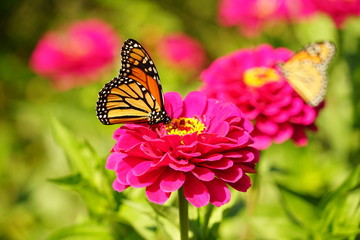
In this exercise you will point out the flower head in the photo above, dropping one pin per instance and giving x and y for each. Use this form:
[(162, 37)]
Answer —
[(205, 150), (339, 10), (76, 55), (251, 80), (252, 16), (182, 52)]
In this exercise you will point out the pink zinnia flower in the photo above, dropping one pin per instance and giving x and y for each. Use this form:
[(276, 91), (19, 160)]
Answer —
[(182, 52), (76, 55), (339, 10), (205, 150), (251, 80), (252, 16)]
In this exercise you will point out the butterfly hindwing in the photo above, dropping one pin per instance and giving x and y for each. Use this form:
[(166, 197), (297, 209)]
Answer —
[(124, 100), (306, 71)]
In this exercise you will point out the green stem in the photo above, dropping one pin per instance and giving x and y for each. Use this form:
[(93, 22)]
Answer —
[(183, 216), (207, 216)]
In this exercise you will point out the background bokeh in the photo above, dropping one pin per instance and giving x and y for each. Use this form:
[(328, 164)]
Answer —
[(304, 193)]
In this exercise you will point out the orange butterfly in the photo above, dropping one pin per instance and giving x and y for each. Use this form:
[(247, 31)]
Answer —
[(306, 71), (135, 96)]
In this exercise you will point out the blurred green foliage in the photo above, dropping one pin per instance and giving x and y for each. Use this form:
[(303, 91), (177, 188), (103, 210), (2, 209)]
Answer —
[(51, 141)]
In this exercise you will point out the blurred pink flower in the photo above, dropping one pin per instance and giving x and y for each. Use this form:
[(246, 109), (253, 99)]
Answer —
[(339, 10), (252, 16), (76, 55), (182, 52), (205, 150), (251, 80)]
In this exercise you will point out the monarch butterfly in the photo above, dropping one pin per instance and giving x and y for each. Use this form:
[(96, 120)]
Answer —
[(135, 96), (306, 71)]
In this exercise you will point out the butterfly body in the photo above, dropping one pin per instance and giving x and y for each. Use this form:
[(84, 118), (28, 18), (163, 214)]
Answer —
[(135, 96), (306, 71)]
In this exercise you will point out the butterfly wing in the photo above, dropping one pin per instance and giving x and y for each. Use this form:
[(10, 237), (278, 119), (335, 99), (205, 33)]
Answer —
[(124, 100), (306, 71), (138, 65), (135, 96)]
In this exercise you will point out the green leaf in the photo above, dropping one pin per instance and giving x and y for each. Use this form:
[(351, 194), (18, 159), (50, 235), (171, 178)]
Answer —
[(341, 208), (147, 223), (300, 209), (89, 177), (168, 212), (81, 158), (70, 180), (87, 231)]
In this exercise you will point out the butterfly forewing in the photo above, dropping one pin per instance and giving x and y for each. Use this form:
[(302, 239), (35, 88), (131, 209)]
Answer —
[(306, 71), (138, 65), (310, 82)]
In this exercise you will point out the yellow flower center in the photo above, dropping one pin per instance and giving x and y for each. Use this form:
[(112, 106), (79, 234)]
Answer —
[(182, 126), (258, 76)]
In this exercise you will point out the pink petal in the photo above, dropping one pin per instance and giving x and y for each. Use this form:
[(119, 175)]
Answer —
[(223, 164), (261, 142), (203, 174), (211, 158), (221, 128), (219, 192), (156, 195), (281, 117), (127, 141), (248, 167), (145, 179), (247, 125), (226, 111), (172, 181), (123, 168), (296, 106), (306, 117), (118, 186), (118, 132), (136, 152), (195, 191), (244, 139), (309, 116), (182, 166), (285, 132), (173, 104), (190, 139), (232, 174), (266, 126), (249, 154), (210, 109), (233, 154), (205, 148), (160, 145), (173, 141), (113, 159), (299, 137), (164, 161), (149, 150), (184, 155), (271, 110), (238, 133), (194, 104), (243, 184), (143, 131), (141, 168), (189, 147)]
